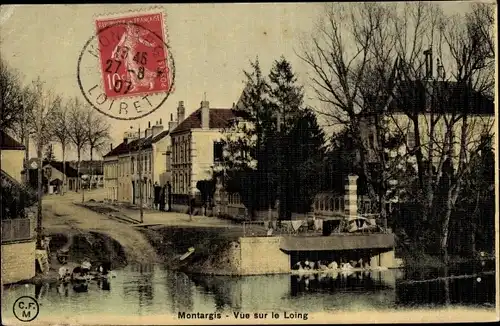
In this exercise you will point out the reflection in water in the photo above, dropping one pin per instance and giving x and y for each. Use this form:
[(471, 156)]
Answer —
[(140, 284), (341, 282), (104, 284), (180, 289), (149, 290)]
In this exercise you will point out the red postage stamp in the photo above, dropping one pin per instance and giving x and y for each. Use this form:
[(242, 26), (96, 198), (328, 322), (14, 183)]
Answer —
[(133, 55)]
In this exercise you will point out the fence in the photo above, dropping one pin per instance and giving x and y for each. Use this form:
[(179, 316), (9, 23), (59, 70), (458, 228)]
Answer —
[(16, 230)]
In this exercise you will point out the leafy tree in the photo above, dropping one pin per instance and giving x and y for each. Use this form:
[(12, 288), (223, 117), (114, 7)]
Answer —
[(247, 151), (15, 199), (299, 143), (277, 149), (207, 190), (303, 160)]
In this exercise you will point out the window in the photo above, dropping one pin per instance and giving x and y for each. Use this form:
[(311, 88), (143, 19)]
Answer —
[(182, 184), (174, 186), (183, 147), (172, 150), (132, 165), (218, 151), (150, 159), (187, 183)]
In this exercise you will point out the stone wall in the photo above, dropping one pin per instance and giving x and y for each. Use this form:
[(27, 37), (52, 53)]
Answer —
[(385, 259), (18, 261), (262, 255)]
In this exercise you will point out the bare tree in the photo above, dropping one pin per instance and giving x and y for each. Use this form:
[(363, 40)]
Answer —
[(62, 135), (11, 97), (77, 130), (40, 121), (352, 44), (368, 65), (448, 124), (97, 133)]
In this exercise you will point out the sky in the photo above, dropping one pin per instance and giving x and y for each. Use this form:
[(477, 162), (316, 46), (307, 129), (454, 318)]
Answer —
[(211, 44)]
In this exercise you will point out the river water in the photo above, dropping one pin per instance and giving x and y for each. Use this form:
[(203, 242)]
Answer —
[(154, 290)]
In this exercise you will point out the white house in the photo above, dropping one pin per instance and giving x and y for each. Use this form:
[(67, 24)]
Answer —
[(197, 148)]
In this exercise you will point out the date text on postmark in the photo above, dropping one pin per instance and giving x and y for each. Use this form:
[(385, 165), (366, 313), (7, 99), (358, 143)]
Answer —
[(126, 71)]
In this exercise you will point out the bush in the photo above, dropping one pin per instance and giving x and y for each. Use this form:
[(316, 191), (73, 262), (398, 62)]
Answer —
[(15, 199)]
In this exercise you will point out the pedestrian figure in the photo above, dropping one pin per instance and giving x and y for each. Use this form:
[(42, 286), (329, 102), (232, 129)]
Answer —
[(86, 265), (162, 198), (157, 194)]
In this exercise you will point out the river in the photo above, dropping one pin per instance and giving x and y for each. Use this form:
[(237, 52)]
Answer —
[(142, 290)]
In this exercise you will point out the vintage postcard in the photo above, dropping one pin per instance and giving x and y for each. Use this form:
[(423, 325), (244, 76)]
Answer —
[(249, 163)]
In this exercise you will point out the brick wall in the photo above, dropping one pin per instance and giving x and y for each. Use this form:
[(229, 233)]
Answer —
[(18, 261)]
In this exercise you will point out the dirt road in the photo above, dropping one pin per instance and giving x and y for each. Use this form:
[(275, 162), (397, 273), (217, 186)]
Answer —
[(61, 215)]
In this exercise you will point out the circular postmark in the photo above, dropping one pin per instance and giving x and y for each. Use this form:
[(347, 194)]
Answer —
[(26, 308), (126, 71)]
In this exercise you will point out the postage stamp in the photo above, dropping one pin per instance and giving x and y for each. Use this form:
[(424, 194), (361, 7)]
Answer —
[(126, 70)]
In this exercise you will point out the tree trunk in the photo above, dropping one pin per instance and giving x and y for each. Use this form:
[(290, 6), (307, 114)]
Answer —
[(64, 169), (450, 204), (91, 167), (78, 182)]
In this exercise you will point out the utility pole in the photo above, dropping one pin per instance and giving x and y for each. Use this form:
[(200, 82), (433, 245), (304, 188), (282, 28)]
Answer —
[(139, 167)]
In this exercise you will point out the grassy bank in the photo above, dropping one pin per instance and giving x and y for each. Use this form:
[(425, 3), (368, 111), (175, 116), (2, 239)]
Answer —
[(210, 244)]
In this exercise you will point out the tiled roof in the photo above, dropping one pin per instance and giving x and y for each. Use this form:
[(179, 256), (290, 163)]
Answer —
[(160, 136), (7, 142), (133, 145), (219, 118), (70, 171)]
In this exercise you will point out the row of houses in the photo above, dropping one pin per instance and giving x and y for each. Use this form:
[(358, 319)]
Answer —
[(57, 173), (177, 157)]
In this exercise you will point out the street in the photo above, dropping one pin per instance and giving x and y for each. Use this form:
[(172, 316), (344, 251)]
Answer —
[(61, 215)]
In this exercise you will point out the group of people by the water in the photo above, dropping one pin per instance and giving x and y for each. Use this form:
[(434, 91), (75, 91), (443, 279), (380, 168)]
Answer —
[(322, 265), (82, 274)]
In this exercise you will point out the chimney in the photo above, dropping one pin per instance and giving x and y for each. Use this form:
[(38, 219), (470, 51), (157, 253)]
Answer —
[(157, 128), (110, 147), (180, 112), (149, 130), (205, 115), (172, 124), (351, 197), (125, 137)]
